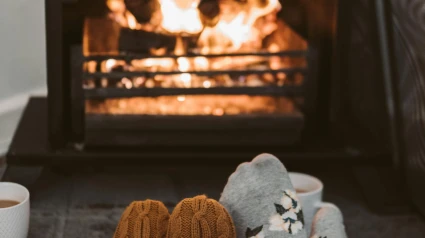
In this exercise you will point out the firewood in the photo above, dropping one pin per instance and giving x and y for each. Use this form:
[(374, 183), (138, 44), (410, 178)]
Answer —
[(100, 36), (143, 41), (259, 3), (93, 8), (210, 10), (142, 9), (284, 38)]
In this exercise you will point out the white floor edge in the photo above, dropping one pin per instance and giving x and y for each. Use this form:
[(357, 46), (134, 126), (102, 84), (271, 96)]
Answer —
[(19, 100)]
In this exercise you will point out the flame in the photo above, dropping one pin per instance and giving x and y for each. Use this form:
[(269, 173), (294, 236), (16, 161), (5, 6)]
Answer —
[(181, 98), (165, 63), (109, 64), (235, 30), (206, 84), (240, 26), (131, 20), (239, 29), (181, 16), (184, 66), (201, 63), (121, 14), (117, 6), (186, 79), (275, 61), (127, 83)]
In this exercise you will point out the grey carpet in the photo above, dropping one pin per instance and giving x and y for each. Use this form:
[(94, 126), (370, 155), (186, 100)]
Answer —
[(87, 203)]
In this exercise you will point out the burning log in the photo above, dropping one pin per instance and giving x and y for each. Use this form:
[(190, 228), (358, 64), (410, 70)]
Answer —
[(284, 38), (142, 9), (143, 41), (294, 13), (210, 10), (100, 36), (262, 3), (257, 3), (93, 8)]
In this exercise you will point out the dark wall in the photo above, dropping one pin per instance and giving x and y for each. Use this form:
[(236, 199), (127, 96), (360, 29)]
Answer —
[(359, 105), (409, 34)]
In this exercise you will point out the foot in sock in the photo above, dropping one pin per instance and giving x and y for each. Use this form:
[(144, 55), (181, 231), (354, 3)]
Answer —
[(143, 219), (262, 201), (328, 223), (200, 217)]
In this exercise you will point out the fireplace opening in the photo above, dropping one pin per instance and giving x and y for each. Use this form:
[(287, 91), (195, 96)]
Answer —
[(222, 79), (222, 64)]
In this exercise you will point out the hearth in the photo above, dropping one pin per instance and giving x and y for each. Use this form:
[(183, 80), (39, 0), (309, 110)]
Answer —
[(213, 78)]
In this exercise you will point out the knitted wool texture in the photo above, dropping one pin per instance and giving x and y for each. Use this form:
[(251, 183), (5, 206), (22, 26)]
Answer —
[(143, 219), (328, 222), (262, 201), (200, 217)]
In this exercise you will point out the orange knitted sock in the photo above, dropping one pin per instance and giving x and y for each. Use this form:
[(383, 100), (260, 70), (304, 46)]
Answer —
[(200, 217), (143, 219)]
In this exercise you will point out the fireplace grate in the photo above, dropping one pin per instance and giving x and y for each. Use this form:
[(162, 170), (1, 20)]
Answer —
[(290, 89)]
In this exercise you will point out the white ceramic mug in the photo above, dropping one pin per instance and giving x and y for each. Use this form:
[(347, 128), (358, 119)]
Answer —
[(14, 220), (309, 191)]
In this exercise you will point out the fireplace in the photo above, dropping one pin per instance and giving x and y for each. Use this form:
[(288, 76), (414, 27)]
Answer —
[(221, 79), (187, 73)]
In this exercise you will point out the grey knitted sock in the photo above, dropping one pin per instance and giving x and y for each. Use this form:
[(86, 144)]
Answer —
[(328, 223), (262, 201)]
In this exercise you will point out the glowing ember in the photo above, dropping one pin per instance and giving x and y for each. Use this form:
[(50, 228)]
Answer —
[(207, 84), (193, 105), (201, 63), (181, 98), (109, 64)]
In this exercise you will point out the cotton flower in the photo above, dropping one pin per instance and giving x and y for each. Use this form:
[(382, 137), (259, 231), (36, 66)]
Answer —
[(286, 202), (291, 194), (276, 223), (296, 227), (290, 201), (289, 216)]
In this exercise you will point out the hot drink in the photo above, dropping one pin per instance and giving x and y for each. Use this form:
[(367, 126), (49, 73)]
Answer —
[(298, 190), (8, 203)]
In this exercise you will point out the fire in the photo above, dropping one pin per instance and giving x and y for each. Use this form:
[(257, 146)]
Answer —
[(121, 14), (248, 26), (235, 30), (184, 64), (181, 16), (109, 64), (201, 63), (132, 23), (238, 28)]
